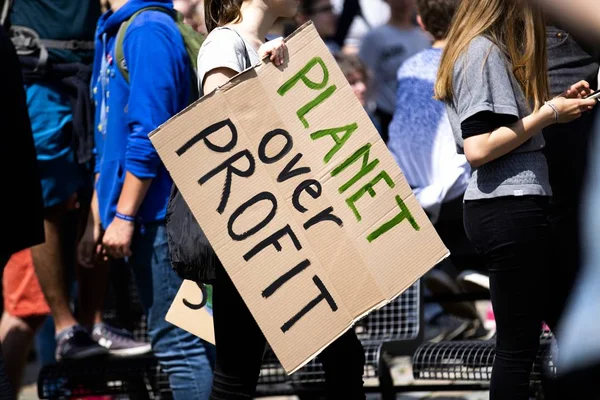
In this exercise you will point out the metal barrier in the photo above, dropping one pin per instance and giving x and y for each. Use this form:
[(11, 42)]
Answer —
[(397, 322), (471, 361), (138, 378), (141, 378)]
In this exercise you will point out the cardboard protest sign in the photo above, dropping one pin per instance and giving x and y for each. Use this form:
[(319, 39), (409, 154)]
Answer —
[(300, 198), (192, 310)]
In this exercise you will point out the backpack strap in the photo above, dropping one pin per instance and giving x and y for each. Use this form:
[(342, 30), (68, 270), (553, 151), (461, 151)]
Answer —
[(119, 52)]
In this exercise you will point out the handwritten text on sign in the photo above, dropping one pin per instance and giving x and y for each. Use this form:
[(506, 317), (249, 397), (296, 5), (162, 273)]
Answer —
[(277, 176)]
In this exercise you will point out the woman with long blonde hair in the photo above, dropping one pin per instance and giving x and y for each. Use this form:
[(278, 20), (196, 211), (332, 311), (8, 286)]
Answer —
[(493, 79)]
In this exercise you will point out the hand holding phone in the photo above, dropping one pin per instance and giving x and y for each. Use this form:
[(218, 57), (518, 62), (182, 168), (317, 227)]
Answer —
[(593, 95)]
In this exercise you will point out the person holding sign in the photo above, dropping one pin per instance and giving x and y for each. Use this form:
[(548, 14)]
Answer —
[(493, 78), (236, 42)]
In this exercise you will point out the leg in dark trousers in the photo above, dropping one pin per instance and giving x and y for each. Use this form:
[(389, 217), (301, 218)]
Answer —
[(344, 362), (513, 235), (565, 261), (564, 265), (241, 345), (6, 391)]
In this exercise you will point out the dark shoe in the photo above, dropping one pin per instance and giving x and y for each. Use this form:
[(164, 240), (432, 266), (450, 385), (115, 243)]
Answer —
[(119, 342), (440, 283), (452, 326), (434, 333), (474, 282), (477, 331), (75, 343)]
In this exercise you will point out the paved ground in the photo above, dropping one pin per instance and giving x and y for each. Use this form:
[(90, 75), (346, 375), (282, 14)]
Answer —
[(402, 374)]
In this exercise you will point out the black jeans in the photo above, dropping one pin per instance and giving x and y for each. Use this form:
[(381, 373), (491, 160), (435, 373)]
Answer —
[(450, 227), (385, 119), (241, 346), (514, 236)]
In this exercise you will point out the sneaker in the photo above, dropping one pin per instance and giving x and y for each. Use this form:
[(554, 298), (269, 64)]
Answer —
[(473, 281), (75, 343), (434, 333), (440, 283), (454, 326), (451, 326), (119, 342), (477, 331)]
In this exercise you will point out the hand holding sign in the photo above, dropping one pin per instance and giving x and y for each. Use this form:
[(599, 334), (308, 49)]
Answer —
[(275, 50), (301, 200)]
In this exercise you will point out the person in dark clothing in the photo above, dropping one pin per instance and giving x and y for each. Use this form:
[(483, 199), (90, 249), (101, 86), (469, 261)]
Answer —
[(495, 85), (236, 42), (569, 60), (23, 217)]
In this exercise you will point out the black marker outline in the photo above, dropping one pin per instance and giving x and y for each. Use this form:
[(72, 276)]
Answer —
[(262, 147), (325, 295), (283, 279), (196, 307), (305, 186), (287, 172), (240, 210), (228, 164), (269, 240), (205, 133)]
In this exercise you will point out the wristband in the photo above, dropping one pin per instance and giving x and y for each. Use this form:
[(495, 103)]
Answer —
[(124, 217), (556, 114)]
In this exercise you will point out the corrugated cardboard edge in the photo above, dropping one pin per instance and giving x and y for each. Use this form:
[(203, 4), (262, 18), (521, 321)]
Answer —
[(234, 81), (357, 319)]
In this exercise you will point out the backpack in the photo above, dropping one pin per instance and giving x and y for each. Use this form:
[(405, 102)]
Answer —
[(193, 41), (192, 256)]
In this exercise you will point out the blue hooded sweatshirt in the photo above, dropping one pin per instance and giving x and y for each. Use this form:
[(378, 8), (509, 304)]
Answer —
[(159, 73)]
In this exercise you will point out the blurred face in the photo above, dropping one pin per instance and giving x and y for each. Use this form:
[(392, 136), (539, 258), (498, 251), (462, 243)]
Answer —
[(183, 6), (402, 6), (323, 17), (283, 8), (359, 86)]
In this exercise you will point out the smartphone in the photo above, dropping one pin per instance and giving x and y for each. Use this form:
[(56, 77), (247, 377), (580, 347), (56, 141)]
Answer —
[(595, 96)]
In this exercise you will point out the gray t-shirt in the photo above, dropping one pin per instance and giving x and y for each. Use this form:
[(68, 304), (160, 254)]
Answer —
[(384, 49), (483, 81), (225, 48)]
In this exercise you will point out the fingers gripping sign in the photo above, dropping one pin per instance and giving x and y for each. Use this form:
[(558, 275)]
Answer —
[(275, 49)]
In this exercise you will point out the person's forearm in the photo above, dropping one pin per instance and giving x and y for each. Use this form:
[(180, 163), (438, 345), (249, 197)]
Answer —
[(132, 194), (94, 217), (482, 149)]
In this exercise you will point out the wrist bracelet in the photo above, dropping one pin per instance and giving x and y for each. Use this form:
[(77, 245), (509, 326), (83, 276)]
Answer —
[(124, 217), (553, 107)]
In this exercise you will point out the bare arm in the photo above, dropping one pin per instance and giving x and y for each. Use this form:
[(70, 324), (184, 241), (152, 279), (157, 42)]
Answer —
[(482, 149), (217, 77)]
